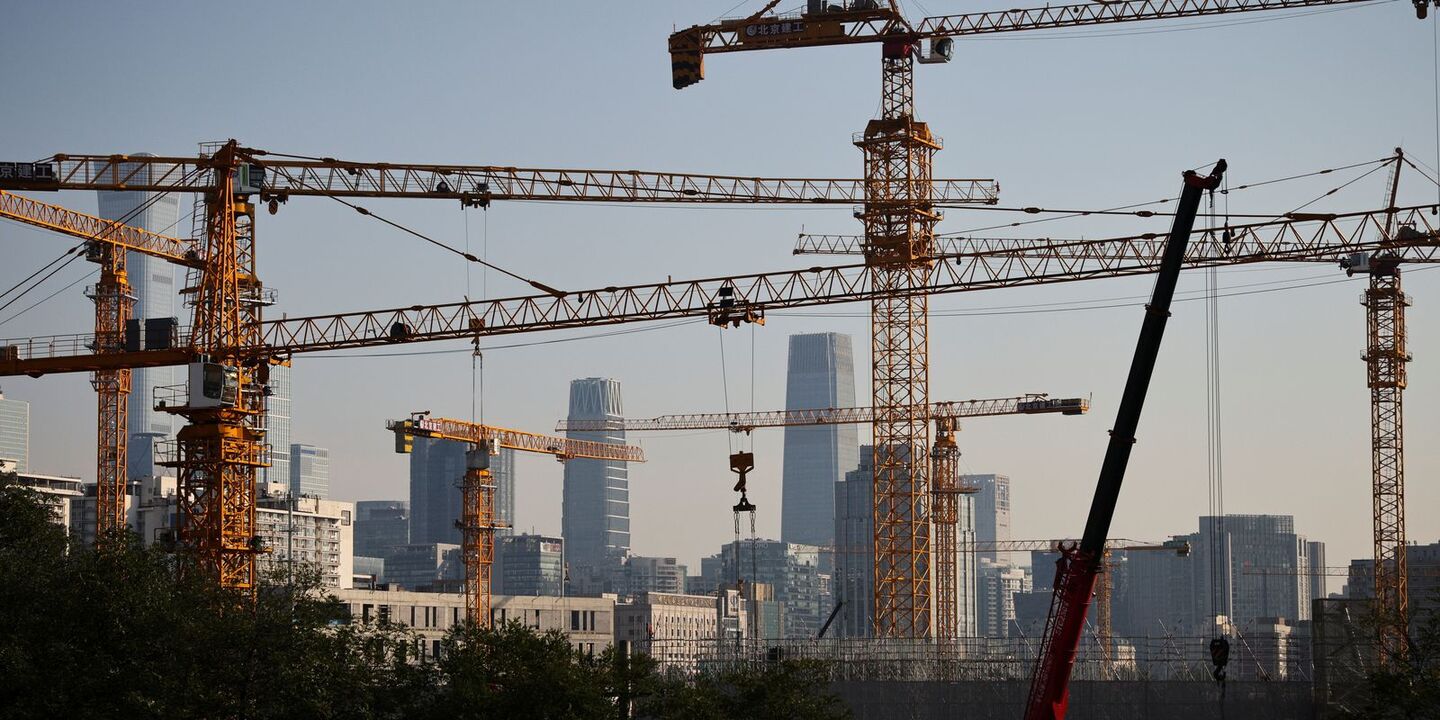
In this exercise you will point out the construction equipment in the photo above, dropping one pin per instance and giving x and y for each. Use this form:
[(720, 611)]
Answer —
[(1385, 356), (1079, 564), (477, 490), (899, 217), (945, 460), (1330, 236), (218, 453), (113, 309), (746, 422), (1104, 587)]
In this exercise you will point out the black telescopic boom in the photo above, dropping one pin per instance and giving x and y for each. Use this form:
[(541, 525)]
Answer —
[(1122, 437)]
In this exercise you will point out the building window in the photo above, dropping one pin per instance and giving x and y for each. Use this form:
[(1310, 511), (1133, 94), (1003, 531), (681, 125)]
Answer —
[(574, 620)]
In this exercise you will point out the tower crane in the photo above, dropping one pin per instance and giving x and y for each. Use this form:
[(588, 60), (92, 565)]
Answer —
[(113, 309), (1385, 356), (218, 452), (944, 459), (1330, 236), (899, 217), (477, 490)]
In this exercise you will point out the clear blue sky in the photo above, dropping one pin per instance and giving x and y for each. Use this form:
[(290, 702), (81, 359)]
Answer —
[(1082, 119)]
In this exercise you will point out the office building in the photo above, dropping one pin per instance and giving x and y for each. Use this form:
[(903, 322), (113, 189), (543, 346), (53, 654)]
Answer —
[(820, 374), (596, 502), (381, 525), (431, 567), (992, 511), (1255, 565), (676, 630), (15, 433), (367, 572), (437, 467), (793, 570), (529, 565), (654, 574), (58, 492), (854, 581), (309, 471), (588, 623), (306, 531), (152, 281), (1422, 571), (1318, 585), (149, 510), (997, 583), (277, 426)]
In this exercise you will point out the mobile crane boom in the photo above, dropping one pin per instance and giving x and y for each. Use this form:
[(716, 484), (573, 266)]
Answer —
[(1079, 565)]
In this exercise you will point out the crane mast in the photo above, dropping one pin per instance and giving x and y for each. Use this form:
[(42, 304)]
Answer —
[(478, 521)]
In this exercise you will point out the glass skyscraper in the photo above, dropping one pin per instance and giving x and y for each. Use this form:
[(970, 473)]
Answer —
[(277, 426), (15, 432), (821, 374), (381, 525), (436, 469), (309, 471), (153, 282), (992, 511), (596, 505)]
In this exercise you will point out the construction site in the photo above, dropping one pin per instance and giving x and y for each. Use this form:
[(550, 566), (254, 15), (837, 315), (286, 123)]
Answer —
[(1179, 166)]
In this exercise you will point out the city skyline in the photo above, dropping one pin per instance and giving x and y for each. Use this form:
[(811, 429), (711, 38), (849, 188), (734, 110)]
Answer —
[(1296, 439)]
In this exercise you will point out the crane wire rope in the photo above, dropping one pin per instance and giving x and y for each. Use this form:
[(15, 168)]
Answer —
[(1214, 453), (74, 282), (74, 254)]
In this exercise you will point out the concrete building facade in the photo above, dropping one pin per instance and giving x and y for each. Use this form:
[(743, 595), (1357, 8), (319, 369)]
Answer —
[(307, 531), (820, 374), (676, 630), (588, 622)]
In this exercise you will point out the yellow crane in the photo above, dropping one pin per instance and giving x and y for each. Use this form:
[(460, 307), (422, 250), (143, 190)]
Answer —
[(899, 217), (1331, 236), (107, 243), (477, 488), (944, 458)]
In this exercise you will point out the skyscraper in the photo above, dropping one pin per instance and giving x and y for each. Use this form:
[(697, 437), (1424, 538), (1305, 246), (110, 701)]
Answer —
[(820, 374), (596, 504), (309, 471), (277, 426), (152, 280), (15, 432), (992, 511), (436, 469), (854, 582)]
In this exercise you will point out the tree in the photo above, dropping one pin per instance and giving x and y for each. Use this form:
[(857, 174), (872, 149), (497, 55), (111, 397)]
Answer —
[(1408, 686)]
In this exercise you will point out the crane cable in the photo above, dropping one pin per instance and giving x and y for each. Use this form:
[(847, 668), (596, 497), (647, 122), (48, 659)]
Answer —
[(1219, 646)]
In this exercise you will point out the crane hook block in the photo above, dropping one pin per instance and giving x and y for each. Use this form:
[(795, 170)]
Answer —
[(741, 463)]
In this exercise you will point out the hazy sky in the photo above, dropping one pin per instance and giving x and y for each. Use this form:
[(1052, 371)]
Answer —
[(1081, 119)]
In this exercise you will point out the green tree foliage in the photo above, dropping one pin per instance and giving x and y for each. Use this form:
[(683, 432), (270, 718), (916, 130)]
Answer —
[(126, 632)]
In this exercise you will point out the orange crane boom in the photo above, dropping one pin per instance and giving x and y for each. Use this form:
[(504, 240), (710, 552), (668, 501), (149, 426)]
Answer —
[(1031, 404), (477, 489)]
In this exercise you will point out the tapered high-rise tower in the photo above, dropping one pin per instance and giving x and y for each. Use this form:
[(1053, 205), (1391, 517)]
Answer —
[(596, 506), (821, 374)]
